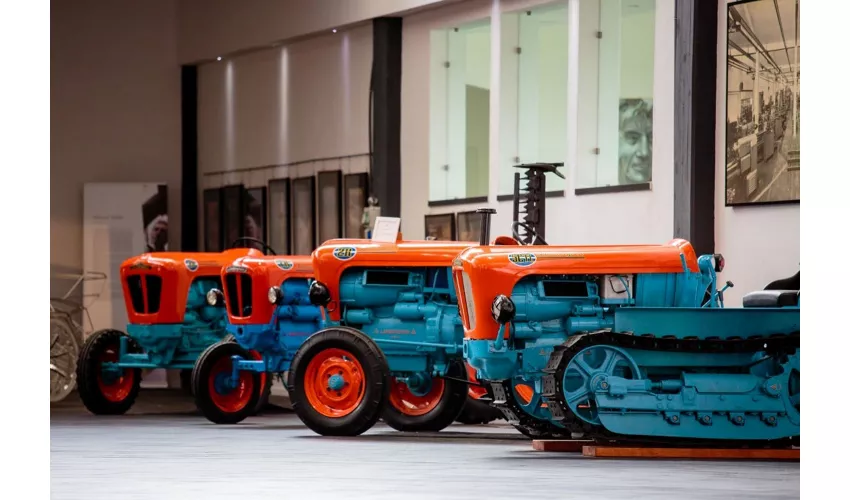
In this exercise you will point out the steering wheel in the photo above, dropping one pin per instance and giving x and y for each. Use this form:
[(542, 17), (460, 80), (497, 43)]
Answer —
[(266, 248), (517, 237)]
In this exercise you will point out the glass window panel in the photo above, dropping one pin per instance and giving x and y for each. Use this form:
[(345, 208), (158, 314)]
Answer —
[(460, 112), (620, 151), (534, 57)]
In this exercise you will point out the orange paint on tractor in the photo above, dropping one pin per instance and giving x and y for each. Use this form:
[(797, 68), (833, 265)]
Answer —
[(174, 272), (506, 265)]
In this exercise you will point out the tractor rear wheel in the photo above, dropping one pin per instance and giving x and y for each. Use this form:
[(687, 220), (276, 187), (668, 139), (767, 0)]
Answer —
[(339, 382), (216, 396), (429, 412), (107, 392)]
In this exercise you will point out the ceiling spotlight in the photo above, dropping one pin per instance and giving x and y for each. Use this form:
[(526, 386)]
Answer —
[(334, 30), (218, 58)]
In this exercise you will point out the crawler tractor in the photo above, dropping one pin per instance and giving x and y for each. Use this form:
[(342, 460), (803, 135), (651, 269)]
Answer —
[(170, 324), (269, 312), (631, 343), (392, 344)]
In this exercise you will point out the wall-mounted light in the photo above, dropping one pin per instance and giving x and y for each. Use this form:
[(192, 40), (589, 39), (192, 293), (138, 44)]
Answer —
[(218, 58), (334, 30)]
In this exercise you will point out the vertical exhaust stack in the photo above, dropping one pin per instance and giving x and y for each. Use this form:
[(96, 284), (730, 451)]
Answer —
[(530, 200), (486, 213)]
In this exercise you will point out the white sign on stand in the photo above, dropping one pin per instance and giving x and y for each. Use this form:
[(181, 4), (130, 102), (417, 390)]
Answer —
[(386, 229)]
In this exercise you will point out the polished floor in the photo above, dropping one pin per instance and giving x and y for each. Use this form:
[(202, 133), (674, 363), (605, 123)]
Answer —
[(164, 451)]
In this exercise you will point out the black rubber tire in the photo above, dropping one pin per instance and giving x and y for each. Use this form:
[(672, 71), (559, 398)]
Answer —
[(88, 372), (477, 412), (444, 413), (201, 389), (377, 382)]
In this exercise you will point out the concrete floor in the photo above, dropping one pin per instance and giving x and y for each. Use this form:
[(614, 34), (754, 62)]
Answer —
[(165, 451)]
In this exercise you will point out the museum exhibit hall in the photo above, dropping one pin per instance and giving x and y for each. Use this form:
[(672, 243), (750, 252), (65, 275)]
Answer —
[(424, 249)]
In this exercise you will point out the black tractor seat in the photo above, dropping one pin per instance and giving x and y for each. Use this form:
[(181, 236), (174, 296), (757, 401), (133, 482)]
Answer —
[(772, 298)]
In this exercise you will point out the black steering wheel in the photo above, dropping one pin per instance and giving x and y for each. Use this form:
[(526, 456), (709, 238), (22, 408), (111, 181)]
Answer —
[(266, 248), (536, 237)]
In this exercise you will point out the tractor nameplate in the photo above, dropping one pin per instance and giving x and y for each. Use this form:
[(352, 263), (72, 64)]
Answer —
[(191, 264), (522, 259), (285, 265), (345, 253), (236, 269)]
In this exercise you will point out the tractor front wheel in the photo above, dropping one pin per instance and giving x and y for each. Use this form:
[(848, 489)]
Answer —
[(430, 410), (339, 382), (218, 396), (106, 391)]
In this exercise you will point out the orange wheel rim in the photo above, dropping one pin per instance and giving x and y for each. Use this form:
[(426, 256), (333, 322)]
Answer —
[(115, 389), (524, 393), (234, 399), (475, 391), (410, 404), (334, 383)]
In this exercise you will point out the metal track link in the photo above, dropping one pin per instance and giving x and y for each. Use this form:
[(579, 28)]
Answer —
[(563, 354), (503, 400)]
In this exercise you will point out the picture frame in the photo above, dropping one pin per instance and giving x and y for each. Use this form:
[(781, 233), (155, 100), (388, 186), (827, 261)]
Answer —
[(355, 196), (233, 210), (303, 215), (468, 226), (255, 215), (279, 211), (762, 139), (440, 227), (329, 194), (212, 220)]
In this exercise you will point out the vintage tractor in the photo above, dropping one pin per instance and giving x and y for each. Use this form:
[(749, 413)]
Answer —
[(269, 312), (632, 342), (170, 324), (392, 343)]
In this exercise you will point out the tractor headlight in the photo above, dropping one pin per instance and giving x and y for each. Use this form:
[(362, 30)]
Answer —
[(275, 295), (719, 262), (503, 309), (319, 294), (215, 297)]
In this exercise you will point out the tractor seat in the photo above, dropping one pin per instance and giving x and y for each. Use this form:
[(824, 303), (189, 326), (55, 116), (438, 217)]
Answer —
[(772, 298)]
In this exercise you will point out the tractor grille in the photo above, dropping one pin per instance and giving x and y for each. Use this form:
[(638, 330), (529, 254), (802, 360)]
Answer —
[(145, 293), (238, 294)]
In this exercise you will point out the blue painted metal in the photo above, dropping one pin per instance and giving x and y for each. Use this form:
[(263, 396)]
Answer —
[(176, 346), (411, 313), (292, 322), (711, 395)]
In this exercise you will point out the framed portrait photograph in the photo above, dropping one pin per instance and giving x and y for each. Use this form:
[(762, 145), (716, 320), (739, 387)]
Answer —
[(762, 102), (330, 205), (255, 214), (279, 213), (303, 215), (212, 220), (233, 219), (355, 191), (468, 226), (440, 227)]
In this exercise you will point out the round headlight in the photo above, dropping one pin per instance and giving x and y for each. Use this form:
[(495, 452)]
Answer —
[(213, 296), (275, 295), (503, 309), (319, 294)]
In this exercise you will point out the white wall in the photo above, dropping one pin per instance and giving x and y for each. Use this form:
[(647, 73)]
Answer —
[(115, 110), (760, 243), (210, 28), (630, 217)]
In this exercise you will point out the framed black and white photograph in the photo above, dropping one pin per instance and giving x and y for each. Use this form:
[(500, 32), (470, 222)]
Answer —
[(255, 214), (212, 220), (468, 226), (303, 215), (279, 213), (763, 102), (330, 205), (440, 227), (233, 219), (355, 192)]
